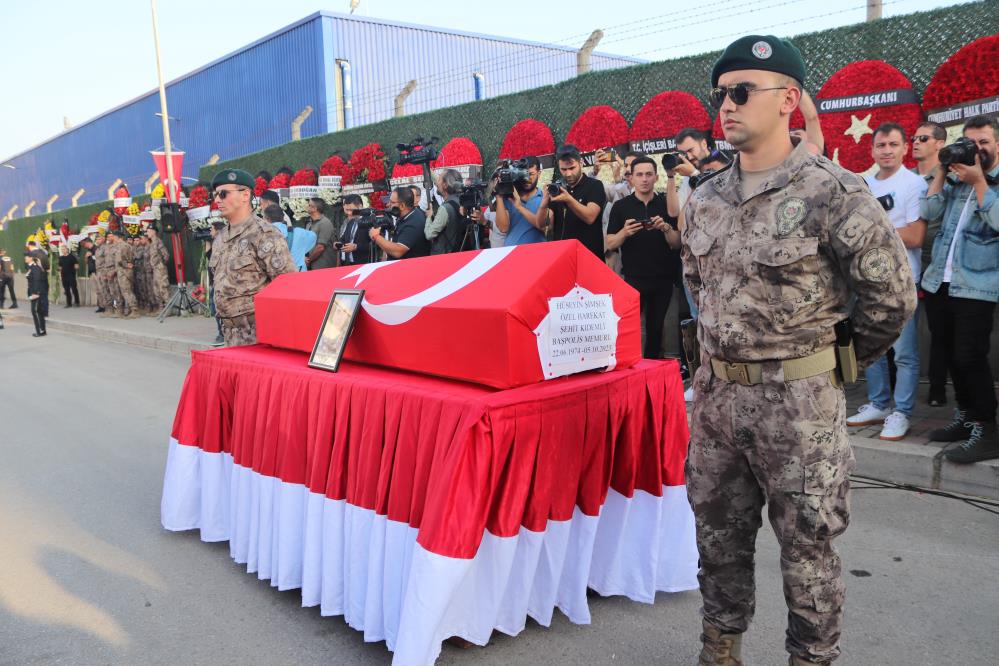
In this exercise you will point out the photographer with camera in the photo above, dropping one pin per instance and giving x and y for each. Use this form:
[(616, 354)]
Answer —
[(517, 208), (576, 202), (447, 229), (962, 282), (354, 247), (648, 238), (410, 230)]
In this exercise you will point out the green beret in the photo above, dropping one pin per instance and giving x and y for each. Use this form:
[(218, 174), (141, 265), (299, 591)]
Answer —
[(233, 177), (764, 52)]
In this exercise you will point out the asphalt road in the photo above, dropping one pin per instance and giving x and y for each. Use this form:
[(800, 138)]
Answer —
[(88, 576)]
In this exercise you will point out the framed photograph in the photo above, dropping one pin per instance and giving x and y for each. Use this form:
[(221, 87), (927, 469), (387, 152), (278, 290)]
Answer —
[(336, 328)]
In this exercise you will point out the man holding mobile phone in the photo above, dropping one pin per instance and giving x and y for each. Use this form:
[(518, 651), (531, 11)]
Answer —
[(649, 242)]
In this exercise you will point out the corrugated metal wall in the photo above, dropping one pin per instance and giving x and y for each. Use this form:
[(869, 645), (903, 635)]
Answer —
[(384, 56), (239, 104), (246, 101)]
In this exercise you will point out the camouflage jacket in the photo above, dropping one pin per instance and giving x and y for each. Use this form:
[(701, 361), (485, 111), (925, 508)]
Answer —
[(245, 258), (772, 272)]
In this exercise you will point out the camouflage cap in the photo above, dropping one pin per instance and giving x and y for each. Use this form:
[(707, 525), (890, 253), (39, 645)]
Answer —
[(233, 177), (764, 52)]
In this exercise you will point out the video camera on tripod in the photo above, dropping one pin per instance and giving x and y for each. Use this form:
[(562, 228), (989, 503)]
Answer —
[(473, 196), (372, 218)]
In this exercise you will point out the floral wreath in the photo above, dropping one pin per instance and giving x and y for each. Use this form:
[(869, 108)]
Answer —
[(848, 134), (969, 74), (528, 137), (666, 114), (456, 152), (598, 127)]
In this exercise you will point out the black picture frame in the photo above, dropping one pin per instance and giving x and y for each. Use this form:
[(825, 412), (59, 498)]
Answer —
[(334, 333)]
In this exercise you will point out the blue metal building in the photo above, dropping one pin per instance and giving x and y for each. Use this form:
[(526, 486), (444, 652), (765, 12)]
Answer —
[(348, 69)]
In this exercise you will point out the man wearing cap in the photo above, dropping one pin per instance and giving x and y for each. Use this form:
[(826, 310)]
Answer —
[(775, 247), (102, 260), (246, 256), (123, 280)]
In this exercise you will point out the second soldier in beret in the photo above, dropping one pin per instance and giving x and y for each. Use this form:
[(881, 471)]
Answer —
[(246, 255), (775, 249)]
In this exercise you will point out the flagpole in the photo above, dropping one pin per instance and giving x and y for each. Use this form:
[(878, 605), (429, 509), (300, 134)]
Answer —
[(163, 108)]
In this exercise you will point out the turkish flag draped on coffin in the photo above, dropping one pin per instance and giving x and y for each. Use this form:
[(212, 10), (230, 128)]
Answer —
[(502, 317)]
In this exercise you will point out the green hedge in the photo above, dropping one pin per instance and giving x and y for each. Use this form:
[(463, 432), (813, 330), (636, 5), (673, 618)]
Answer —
[(915, 43)]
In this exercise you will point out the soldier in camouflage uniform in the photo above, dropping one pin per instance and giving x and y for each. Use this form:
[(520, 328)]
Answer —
[(98, 278), (139, 274), (246, 256), (158, 261), (122, 284), (110, 275), (774, 248)]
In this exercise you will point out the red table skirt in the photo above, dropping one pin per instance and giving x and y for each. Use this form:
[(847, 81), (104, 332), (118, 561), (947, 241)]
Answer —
[(300, 468)]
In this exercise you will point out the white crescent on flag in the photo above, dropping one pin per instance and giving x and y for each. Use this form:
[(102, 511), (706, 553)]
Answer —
[(401, 311)]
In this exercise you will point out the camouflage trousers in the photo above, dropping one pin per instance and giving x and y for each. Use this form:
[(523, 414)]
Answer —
[(241, 330), (783, 444), (160, 285), (103, 295), (110, 281), (126, 289)]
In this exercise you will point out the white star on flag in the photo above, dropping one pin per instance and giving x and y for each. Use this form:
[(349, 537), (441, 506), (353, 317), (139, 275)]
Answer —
[(859, 127)]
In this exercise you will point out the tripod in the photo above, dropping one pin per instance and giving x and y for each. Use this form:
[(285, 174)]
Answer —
[(181, 300)]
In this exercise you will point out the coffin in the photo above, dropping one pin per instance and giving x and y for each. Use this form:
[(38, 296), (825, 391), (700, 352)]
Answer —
[(503, 317)]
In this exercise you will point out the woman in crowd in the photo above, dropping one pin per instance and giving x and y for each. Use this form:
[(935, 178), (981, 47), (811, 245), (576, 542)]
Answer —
[(38, 286)]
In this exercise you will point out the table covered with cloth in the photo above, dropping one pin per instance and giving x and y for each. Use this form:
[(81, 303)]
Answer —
[(422, 508)]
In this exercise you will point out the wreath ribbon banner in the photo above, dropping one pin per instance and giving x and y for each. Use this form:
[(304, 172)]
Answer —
[(958, 113), (867, 101)]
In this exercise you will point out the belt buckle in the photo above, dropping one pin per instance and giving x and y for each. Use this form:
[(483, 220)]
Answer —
[(737, 372)]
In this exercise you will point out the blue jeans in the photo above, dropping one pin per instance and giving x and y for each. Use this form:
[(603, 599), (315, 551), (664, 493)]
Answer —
[(907, 378)]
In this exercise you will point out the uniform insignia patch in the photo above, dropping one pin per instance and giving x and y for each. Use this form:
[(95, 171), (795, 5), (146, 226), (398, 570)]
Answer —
[(877, 265), (243, 244), (762, 50), (232, 176), (790, 213)]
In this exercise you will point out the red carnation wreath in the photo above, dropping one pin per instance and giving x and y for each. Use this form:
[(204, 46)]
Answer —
[(306, 176), (969, 74), (598, 127), (375, 199), (848, 131), (335, 166), (528, 137), (198, 197), (280, 181), (666, 114), (456, 152), (404, 170), (367, 164), (259, 186)]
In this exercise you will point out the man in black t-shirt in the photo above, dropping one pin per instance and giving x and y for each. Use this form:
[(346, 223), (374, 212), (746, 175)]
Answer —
[(576, 210), (649, 240), (410, 231)]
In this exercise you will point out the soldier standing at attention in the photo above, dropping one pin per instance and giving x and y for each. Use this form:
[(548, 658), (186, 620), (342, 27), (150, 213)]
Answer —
[(774, 248), (158, 259), (124, 267), (246, 255), (139, 274)]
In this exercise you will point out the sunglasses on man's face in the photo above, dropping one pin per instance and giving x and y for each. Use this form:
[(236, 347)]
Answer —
[(739, 93), (222, 194), (921, 138)]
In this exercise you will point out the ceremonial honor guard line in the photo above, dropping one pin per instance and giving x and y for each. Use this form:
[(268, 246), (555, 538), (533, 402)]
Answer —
[(491, 446)]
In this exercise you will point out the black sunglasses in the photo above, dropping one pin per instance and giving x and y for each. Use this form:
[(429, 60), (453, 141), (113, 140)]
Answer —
[(922, 138), (222, 194), (739, 93)]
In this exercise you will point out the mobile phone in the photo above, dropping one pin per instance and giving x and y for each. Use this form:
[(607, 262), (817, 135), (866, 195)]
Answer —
[(646, 223)]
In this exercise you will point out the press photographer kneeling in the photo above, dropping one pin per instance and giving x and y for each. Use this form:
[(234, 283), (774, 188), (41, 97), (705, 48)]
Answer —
[(648, 238), (410, 230)]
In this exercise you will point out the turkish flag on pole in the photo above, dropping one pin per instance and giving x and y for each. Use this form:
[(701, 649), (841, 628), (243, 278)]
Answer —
[(177, 157)]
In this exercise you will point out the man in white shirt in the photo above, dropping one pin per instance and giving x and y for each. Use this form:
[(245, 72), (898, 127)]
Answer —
[(899, 191)]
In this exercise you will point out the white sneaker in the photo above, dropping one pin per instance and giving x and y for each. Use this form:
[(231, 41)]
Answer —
[(868, 415), (688, 395), (896, 425)]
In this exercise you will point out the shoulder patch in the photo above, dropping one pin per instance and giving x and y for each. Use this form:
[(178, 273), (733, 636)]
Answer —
[(850, 181), (853, 232), (877, 265)]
